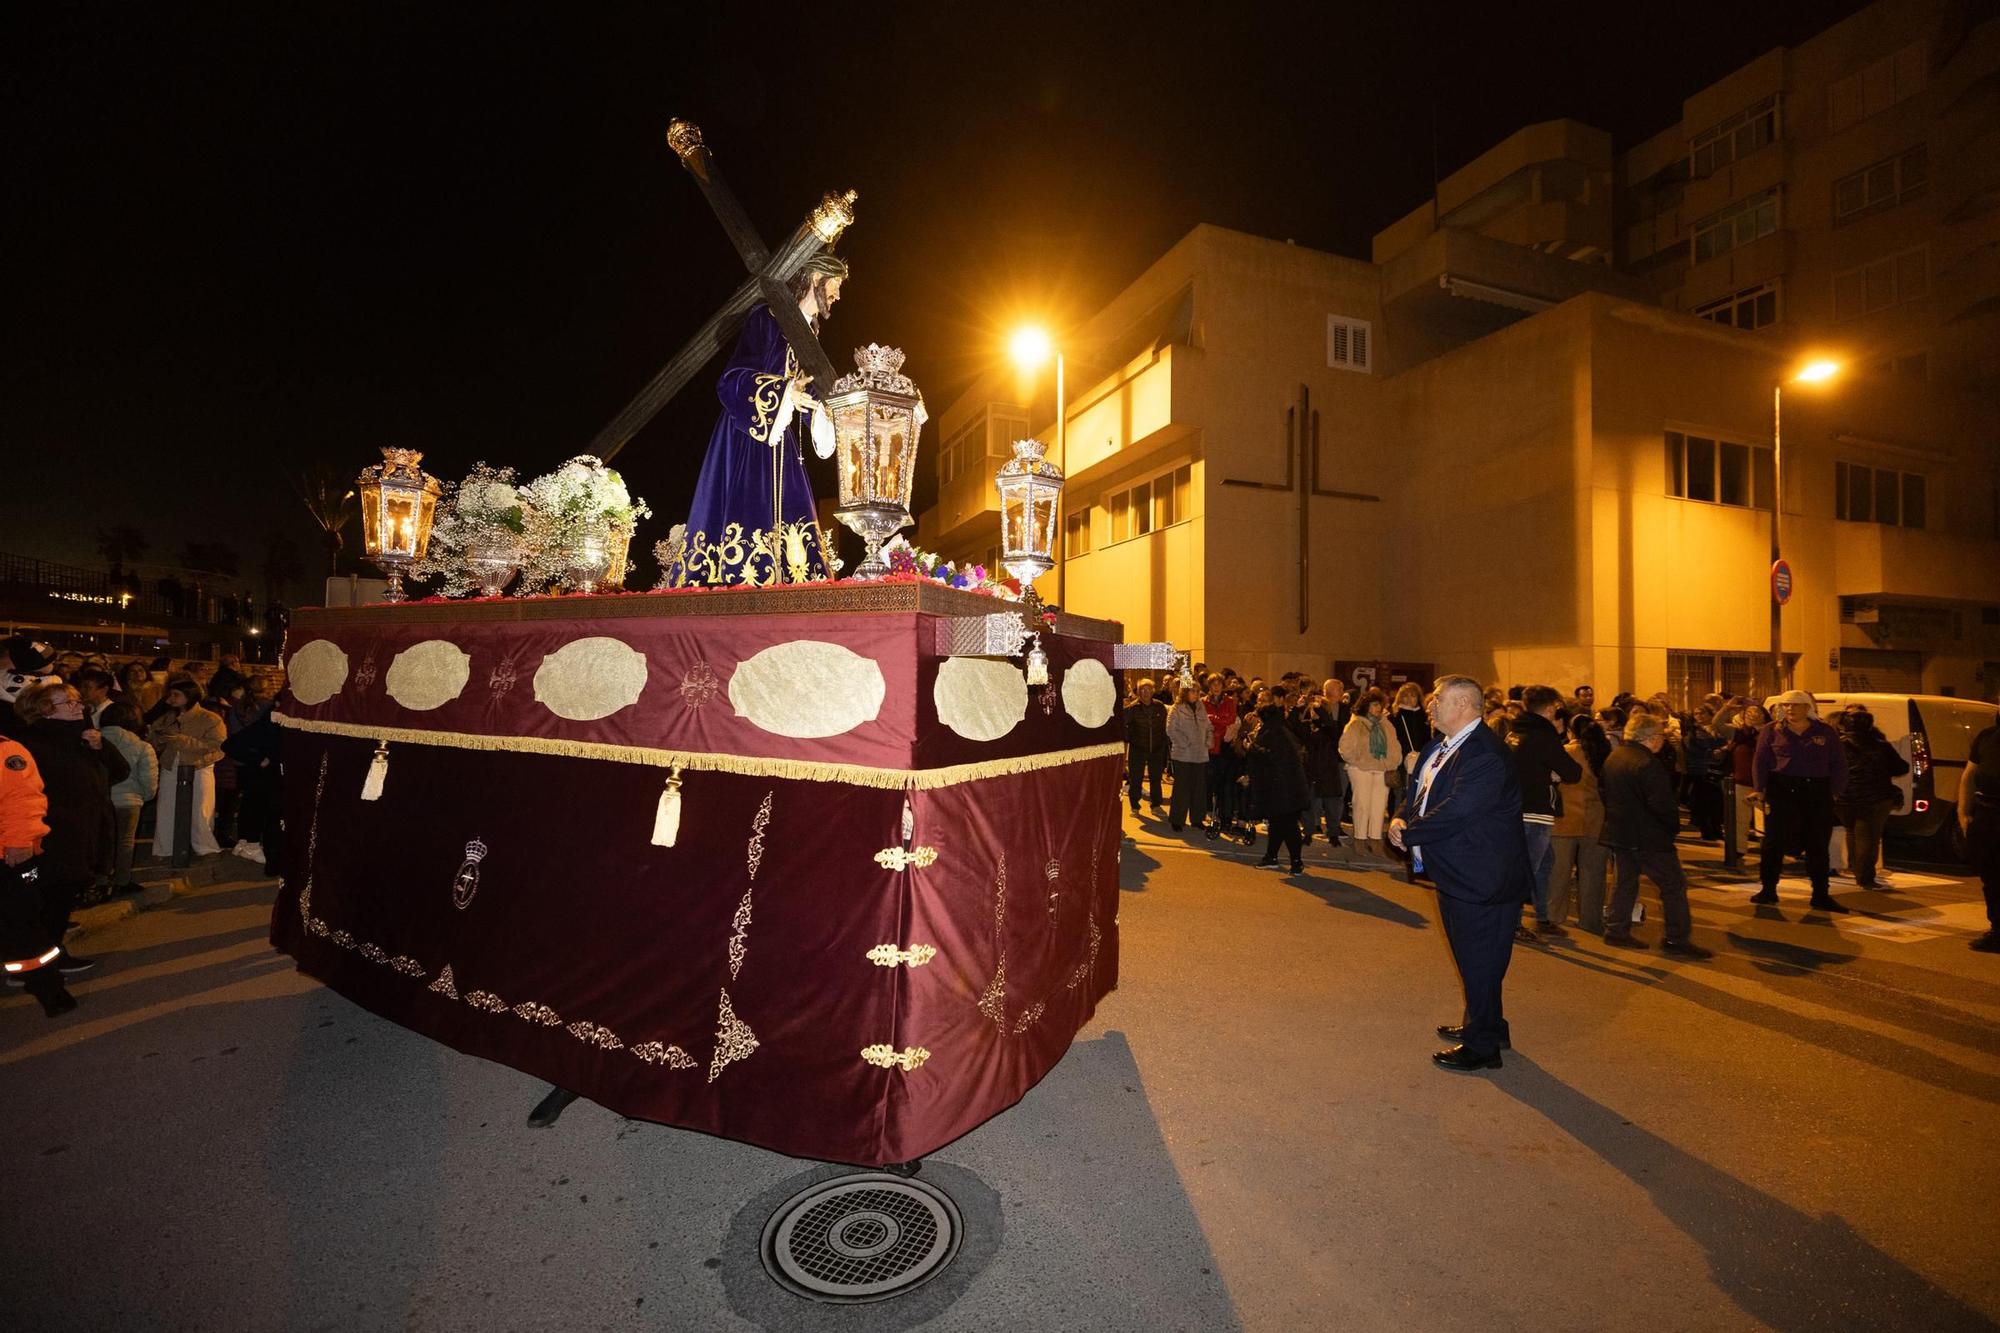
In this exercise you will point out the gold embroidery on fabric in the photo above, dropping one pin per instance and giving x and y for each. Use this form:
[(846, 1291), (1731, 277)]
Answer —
[(856, 775), (754, 858), (488, 1001), (733, 1038), (766, 391), (444, 985), (736, 557), (698, 685), (343, 939), (595, 1035), (899, 860), (375, 953), (1028, 1017), (538, 1013), (407, 965), (887, 1057), (993, 1002), (888, 955), (673, 1057)]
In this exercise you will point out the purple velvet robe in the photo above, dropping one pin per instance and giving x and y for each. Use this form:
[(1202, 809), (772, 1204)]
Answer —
[(735, 484)]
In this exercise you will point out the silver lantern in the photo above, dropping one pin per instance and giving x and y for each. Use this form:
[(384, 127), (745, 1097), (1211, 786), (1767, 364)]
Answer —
[(1030, 486), (398, 502), (877, 416)]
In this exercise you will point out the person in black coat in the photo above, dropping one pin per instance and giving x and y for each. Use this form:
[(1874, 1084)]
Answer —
[(1864, 804), (78, 771), (1542, 764), (1462, 828), (1413, 732), (1323, 768), (1641, 820), (1278, 785), (1146, 747)]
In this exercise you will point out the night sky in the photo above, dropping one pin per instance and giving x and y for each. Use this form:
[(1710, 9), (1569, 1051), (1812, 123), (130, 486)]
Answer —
[(249, 236)]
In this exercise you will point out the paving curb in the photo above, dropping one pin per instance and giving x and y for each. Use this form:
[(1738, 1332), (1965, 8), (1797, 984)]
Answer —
[(158, 893)]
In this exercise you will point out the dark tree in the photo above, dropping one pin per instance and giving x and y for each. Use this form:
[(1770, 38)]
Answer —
[(119, 544), (282, 564), (330, 498)]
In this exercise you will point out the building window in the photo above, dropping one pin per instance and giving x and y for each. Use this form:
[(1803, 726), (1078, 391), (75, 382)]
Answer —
[(1737, 225), (1876, 87), (1349, 343), (1734, 139), (1910, 366), (1724, 472), (1886, 282), (1892, 181), (1752, 308), (1076, 534), (1863, 494), (1693, 673), (1157, 502)]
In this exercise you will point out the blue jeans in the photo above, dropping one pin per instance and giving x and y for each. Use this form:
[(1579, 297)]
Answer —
[(1541, 856)]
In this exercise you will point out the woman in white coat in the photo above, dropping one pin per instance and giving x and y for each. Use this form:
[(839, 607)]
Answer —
[(186, 736), (1370, 750)]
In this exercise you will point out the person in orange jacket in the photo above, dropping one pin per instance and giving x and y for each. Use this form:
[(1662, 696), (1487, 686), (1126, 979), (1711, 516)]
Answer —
[(26, 951)]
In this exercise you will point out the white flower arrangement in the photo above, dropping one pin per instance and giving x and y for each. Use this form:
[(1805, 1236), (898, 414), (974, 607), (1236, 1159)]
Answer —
[(562, 507), (484, 513)]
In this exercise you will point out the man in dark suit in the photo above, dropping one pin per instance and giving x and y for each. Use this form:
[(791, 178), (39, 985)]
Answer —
[(1462, 827)]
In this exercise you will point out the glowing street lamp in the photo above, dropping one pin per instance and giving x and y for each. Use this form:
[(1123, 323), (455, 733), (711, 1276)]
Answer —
[(1820, 371), (1030, 347)]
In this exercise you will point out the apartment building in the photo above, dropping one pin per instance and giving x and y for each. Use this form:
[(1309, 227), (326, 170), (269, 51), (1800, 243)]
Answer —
[(1531, 436)]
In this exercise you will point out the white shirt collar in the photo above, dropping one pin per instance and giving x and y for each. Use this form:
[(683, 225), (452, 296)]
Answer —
[(1452, 741)]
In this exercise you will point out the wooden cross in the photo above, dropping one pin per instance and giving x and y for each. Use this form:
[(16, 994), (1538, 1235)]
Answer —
[(770, 271), (1301, 444)]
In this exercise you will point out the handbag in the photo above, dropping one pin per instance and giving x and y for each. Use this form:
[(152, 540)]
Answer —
[(1396, 777)]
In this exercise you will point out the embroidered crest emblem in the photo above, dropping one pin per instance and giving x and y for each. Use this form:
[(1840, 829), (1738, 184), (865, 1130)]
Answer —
[(466, 882), (698, 686), (364, 676), (501, 679)]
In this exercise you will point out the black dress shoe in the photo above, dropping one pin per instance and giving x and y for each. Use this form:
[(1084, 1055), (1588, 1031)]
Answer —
[(58, 1002), (72, 966), (1268, 863), (1624, 942), (1824, 904), (1766, 896), (1456, 1032), (1463, 1061), (1685, 949), (1987, 943), (1298, 867), (1522, 935)]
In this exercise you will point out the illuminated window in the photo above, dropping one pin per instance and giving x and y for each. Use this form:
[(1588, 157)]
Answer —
[(1349, 343), (1876, 87), (1752, 308), (1734, 139), (1886, 282), (1155, 503), (1892, 181), (1863, 494), (1737, 225), (1726, 472), (1076, 534)]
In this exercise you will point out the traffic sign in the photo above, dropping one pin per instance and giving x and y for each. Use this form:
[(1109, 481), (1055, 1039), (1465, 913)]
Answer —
[(1781, 582)]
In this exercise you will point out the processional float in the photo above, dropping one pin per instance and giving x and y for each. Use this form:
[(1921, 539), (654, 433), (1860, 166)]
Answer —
[(830, 867)]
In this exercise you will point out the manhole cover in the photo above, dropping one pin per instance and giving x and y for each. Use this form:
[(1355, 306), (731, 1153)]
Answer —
[(861, 1238)]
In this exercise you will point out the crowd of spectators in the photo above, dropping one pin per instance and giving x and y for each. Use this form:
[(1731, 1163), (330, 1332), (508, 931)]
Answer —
[(1606, 792), (91, 751)]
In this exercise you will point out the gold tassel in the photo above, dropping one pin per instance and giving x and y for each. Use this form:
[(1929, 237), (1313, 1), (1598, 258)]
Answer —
[(667, 821), (378, 773)]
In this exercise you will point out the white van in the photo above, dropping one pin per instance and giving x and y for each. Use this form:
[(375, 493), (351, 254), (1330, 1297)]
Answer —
[(1934, 732)]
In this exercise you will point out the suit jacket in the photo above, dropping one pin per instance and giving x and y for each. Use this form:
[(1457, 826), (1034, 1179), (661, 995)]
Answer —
[(1470, 831)]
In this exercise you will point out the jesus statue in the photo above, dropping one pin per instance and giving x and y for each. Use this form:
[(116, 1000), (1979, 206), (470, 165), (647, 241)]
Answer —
[(753, 520)]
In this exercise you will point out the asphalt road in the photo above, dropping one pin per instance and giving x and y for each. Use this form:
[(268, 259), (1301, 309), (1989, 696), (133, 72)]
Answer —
[(1801, 1134)]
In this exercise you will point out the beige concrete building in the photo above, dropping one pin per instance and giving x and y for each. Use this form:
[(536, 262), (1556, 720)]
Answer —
[(1531, 437)]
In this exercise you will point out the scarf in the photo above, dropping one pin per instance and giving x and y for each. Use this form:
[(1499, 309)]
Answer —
[(1378, 739)]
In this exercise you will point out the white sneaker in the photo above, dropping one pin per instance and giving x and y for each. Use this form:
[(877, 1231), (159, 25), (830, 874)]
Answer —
[(237, 850), (251, 851)]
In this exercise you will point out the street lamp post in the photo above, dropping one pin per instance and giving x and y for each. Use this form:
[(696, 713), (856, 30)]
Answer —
[(1813, 372), (1030, 347)]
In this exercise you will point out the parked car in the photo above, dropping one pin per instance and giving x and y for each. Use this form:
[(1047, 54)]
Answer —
[(1934, 732)]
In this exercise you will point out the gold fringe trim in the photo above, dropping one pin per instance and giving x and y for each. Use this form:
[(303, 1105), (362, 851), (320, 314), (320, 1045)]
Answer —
[(799, 770)]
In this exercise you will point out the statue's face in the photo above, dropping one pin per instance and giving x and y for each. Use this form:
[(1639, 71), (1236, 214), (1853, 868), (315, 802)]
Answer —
[(829, 293)]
